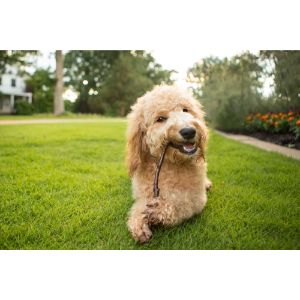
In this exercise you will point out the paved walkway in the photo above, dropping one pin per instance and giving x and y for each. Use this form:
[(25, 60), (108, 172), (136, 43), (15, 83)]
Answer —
[(263, 145), (56, 121)]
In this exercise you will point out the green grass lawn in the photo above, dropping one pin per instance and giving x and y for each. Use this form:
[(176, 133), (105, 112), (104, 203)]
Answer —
[(65, 186), (67, 115)]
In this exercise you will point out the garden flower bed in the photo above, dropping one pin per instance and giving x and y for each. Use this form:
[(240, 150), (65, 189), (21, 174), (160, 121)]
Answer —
[(279, 128)]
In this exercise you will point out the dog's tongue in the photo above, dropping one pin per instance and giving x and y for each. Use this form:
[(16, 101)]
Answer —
[(189, 146)]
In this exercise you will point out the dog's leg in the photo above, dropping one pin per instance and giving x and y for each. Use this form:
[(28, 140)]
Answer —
[(158, 211), (138, 223)]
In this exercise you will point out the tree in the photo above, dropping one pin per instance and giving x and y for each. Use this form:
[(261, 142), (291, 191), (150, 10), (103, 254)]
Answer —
[(126, 82), (229, 88), (59, 85), (108, 82), (14, 57), (132, 74), (286, 76), (41, 85), (154, 70), (86, 71)]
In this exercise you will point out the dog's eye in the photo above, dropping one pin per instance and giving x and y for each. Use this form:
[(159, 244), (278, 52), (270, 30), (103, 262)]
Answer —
[(185, 110), (161, 119)]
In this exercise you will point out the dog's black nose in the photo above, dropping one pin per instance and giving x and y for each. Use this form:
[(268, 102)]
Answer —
[(188, 132)]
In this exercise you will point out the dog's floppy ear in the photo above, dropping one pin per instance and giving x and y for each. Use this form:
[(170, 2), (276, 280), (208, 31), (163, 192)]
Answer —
[(135, 134), (203, 137), (198, 110), (203, 128)]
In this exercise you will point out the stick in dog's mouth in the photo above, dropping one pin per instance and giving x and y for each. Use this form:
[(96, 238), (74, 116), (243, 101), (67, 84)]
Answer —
[(186, 148), (160, 162)]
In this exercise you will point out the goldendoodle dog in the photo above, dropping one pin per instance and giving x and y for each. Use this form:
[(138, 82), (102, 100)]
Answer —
[(165, 116)]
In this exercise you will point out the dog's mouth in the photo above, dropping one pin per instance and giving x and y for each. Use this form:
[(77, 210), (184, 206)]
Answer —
[(186, 148)]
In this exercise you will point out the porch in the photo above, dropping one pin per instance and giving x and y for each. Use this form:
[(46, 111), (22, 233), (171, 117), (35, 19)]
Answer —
[(7, 101)]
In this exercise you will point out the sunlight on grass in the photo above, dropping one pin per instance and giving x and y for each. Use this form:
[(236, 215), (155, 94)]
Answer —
[(65, 186)]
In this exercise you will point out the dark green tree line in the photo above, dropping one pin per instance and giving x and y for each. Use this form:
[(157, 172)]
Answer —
[(109, 82), (286, 74), (228, 88)]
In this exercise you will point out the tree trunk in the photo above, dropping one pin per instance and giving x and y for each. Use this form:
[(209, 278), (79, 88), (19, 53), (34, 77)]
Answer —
[(59, 106)]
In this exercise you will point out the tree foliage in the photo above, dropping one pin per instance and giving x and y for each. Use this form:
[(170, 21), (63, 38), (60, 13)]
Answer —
[(41, 85), (14, 57), (286, 76), (86, 71), (108, 82), (228, 88)]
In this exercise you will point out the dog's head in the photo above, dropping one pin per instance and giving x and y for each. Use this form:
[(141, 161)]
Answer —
[(166, 115)]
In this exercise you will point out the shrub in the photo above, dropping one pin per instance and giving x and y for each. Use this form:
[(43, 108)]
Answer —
[(69, 106), (41, 85), (23, 108), (230, 114)]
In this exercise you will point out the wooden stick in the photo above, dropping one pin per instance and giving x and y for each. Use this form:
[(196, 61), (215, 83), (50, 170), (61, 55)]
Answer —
[(159, 165), (155, 183)]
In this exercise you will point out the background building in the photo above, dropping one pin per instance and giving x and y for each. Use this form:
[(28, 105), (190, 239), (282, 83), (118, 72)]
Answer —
[(12, 89)]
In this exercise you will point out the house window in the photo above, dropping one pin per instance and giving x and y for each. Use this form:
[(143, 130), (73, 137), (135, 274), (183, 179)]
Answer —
[(13, 82)]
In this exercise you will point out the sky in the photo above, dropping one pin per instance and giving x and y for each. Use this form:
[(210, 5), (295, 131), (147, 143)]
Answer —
[(181, 60), (175, 59), (178, 60)]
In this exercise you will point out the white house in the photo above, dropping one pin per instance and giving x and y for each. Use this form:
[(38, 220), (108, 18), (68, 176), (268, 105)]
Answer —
[(12, 89)]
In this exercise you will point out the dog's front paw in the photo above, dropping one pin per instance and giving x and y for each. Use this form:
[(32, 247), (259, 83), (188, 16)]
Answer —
[(140, 232), (158, 211), (152, 211)]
